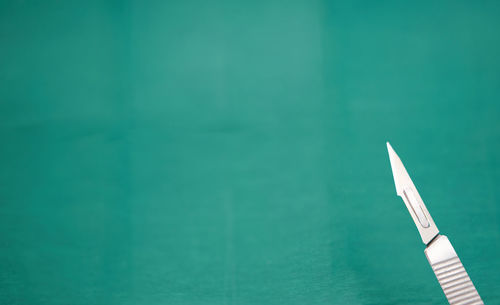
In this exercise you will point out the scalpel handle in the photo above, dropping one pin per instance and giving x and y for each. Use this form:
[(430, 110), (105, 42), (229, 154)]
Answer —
[(450, 272)]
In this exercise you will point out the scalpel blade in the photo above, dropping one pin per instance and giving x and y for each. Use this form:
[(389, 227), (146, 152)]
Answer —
[(406, 190)]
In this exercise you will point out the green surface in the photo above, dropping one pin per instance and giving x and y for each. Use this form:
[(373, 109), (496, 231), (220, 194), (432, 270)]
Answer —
[(234, 152)]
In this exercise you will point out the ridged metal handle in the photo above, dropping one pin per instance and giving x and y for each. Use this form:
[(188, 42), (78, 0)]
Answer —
[(450, 272)]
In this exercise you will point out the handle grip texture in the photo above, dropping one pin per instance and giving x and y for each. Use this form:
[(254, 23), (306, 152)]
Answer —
[(451, 274)]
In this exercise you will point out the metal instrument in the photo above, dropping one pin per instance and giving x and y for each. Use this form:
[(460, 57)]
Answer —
[(451, 274)]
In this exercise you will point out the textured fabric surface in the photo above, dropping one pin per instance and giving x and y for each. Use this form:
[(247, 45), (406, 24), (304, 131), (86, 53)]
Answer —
[(179, 152)]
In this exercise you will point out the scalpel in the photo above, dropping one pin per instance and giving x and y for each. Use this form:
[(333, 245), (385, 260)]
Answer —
[(450, 273)]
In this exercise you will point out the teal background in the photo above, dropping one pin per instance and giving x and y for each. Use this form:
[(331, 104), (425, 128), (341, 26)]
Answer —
[(178, 152)]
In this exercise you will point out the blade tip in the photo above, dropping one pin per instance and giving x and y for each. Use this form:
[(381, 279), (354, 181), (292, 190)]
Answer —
[(394, 163), (389, 147)]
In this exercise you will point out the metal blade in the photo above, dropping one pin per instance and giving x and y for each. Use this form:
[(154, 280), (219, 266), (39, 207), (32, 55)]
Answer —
[(407, 191)]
